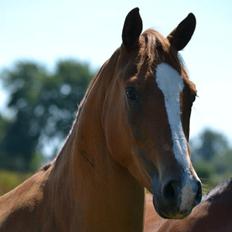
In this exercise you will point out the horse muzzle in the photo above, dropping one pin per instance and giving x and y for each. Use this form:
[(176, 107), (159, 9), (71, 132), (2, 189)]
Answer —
[(175, 198)]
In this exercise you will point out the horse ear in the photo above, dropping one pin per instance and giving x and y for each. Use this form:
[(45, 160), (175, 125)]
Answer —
[(182, 34), (132, 29)]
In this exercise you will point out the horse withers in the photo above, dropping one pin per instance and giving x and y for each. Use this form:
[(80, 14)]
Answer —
[(131, 132)]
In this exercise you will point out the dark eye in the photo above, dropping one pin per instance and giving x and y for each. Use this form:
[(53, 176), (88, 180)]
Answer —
[(131, 93)]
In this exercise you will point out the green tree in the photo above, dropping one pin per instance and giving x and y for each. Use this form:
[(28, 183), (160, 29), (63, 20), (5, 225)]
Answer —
[(43, 106), (209, 144), (24, 84), (212, 158), (61, 95)]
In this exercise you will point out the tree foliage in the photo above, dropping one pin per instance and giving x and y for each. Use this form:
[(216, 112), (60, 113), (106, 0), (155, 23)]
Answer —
[(43, 106), (212, 157), (210, 144)]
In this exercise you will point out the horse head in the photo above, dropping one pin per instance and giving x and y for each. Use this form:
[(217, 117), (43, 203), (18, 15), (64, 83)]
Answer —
[(147, 113)]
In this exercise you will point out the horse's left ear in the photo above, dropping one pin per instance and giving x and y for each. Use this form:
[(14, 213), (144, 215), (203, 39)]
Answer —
[(182, 34), (132, 29)]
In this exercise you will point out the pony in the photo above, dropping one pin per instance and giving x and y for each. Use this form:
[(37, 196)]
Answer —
[(131, 132), (212, 214)]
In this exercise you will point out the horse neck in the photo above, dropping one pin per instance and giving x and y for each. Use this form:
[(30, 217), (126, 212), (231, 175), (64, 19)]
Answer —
[(101, 192)]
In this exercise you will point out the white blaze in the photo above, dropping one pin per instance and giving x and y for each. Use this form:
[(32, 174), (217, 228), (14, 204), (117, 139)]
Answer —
[(171, 84), (187, 196)]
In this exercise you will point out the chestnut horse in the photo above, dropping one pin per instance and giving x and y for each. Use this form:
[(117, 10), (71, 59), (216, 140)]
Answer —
[(213, 214), (131, 132)]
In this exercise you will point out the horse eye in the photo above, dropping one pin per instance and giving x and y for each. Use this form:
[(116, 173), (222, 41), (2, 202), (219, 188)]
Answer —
[(131, 93)]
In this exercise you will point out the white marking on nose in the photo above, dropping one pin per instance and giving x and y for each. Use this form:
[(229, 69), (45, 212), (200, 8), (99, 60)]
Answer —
[(187, 196), (171, 84)]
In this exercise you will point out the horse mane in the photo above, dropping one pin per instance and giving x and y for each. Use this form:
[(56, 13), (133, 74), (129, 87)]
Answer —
[(156, 49)]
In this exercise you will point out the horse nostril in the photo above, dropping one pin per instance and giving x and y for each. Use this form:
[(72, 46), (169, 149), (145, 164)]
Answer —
[(199, 193), (170, 190)]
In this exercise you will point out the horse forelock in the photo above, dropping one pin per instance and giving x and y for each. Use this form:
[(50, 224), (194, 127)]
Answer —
[(155, 49)]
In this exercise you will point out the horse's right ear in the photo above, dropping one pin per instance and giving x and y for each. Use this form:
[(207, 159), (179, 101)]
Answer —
[(132, 29), (182, 34)]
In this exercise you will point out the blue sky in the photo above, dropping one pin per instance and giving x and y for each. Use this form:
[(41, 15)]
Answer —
[(50, 30)]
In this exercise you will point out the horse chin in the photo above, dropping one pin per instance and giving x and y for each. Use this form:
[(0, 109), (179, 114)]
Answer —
[(169, 214), (174, 216)]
